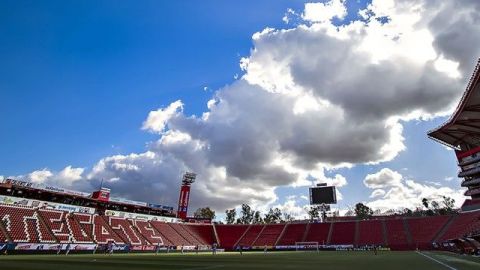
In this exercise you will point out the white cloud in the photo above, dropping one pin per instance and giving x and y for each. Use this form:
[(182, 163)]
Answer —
[(404, 193), (65, 178), (157, 120), (294, 208), (323, 12), (377, 193), (382, 179), (39, 176)]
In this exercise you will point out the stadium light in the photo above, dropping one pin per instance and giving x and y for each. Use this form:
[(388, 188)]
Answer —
[(189, 178)]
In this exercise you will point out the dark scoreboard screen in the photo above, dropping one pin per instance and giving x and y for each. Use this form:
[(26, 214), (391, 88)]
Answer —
[(323, 195)]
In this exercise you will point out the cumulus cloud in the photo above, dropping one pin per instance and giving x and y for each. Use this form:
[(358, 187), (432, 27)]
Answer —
[(157, 120), (382, 179), (399, 193), (294, 207), (315, 97), (324, 12), (377, 193), (66, 177)]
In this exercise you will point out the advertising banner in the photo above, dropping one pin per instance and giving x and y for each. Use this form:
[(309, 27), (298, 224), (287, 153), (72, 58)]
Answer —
[(36, 246), (47, 188), (147, 248), (45, 205), (139, 216), (126, 201)]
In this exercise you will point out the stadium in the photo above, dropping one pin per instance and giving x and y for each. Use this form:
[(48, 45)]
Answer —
[(40, 219), (330, 91)]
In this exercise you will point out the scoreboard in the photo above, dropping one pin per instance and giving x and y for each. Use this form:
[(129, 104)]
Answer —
[(323, 195)]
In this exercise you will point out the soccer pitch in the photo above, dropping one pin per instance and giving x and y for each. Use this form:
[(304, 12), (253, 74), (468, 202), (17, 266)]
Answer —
[(255, 260)]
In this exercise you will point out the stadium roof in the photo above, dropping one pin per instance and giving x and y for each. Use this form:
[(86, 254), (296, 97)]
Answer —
[(462, 130)]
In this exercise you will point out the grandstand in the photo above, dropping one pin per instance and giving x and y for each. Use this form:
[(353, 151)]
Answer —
[(27, 225)]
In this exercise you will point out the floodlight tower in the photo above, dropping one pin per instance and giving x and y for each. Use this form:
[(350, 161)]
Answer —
[(187, 181)]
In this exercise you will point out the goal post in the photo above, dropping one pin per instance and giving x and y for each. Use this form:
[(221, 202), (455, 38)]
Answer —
[(305, 246)]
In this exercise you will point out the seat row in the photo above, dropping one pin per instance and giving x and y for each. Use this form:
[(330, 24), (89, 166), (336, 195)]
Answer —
[(22, 224)]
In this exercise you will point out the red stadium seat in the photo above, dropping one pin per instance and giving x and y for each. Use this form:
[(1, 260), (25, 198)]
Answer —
[(251, 235), (126, 231), (23, 225), (229, 235), (203, 232), (370, 232), (396, 234), (424, 229), (293, 233), (169, 233), (269, 235), (343, 233), (102, 233), (318, 232), (149, 232)]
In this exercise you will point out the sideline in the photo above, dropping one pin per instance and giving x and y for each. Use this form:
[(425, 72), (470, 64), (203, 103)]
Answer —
[(435, 260)]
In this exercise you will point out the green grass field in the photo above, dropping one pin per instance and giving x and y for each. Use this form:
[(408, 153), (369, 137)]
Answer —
[(347, 260)]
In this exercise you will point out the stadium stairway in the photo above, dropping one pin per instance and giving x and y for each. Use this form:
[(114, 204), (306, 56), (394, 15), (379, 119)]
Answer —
[(384, 232), (424, 229), (407, 231), (125, 230), (78, 234), (149, 232), (84, 223), (169, 233), (251, 235), (215, 234), (191, 239), (282, 233), (318, 232), (258, 235), (103, 233), (56, 222), (45, 230), (269, 235), (370, 232), (445, 227), (462, 225), (307, 230), (242, 236), (4, 237), (197, 234), (357, 233), (396, 235), (293, 232), (342, 233), (230, 235), (204, 233), (330, 232)]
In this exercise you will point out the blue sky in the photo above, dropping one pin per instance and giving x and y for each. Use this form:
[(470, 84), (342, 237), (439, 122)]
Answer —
[(78, 79)]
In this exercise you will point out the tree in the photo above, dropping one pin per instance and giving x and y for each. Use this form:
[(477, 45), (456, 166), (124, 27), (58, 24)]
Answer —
[(230, 216), (287, 217), (362, 211), (273, 216), (257, 218), (425, 203), (448, 204), (407, 212), (314, 212), (204, 212), (247, 214), (436, 209)]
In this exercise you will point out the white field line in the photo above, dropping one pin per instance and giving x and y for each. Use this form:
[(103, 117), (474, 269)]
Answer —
[(437, 261)]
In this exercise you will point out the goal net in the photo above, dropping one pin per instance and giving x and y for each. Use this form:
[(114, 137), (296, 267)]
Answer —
[(306, 246)]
